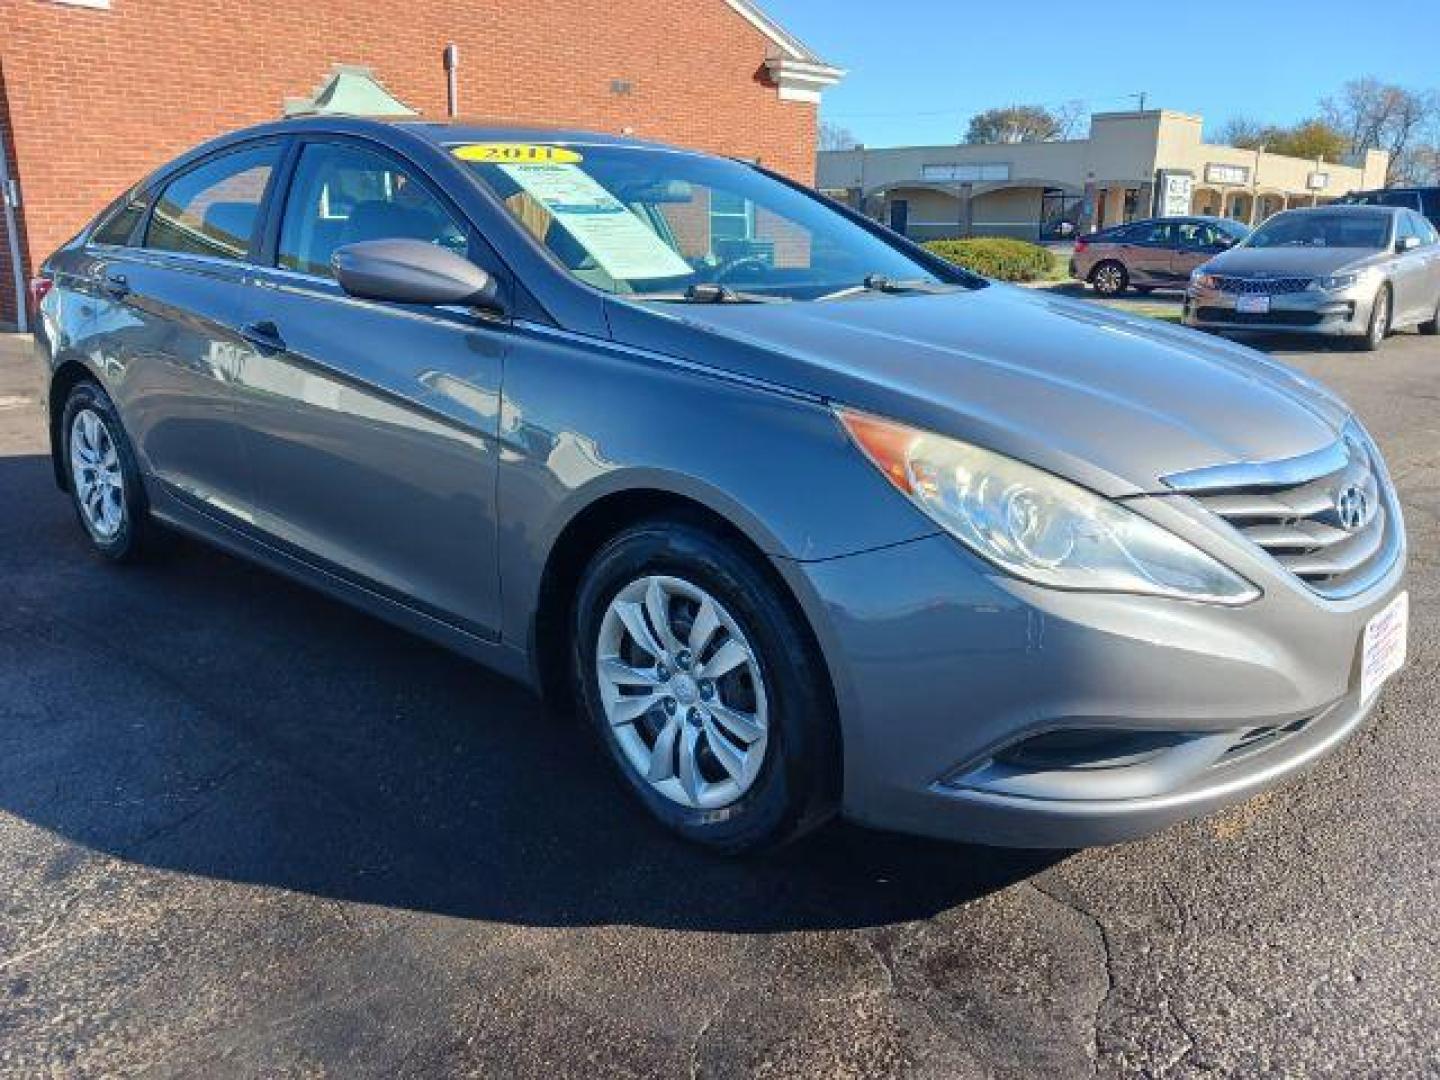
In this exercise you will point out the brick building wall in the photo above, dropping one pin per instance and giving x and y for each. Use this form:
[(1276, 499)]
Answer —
[(97, 98)]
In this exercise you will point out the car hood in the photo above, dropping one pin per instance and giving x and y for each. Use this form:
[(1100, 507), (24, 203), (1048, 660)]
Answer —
[(1113, 401), (1288, 262)]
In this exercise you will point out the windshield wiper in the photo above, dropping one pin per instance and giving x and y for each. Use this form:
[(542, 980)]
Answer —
[(882, 284), (713, 293)]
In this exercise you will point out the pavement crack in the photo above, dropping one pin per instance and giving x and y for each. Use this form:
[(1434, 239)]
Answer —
[(1107, 960), (700, 1032)]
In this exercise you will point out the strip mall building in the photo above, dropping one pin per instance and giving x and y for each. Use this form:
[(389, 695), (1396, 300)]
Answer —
[(96, 93), (1132, 165)]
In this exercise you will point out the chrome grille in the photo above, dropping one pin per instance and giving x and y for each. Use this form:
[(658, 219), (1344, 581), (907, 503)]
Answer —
[(1273, 286), (1328, 517)]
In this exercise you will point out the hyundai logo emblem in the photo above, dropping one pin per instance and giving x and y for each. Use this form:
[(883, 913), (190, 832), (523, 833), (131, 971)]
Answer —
[(1352, 506)]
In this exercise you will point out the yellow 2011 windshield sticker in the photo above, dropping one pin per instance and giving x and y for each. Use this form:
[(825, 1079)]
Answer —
[(517, 154)]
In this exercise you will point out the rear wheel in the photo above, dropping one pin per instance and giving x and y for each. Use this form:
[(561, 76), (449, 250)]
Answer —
[(1378, 328), (705, 689), (104, 479), (1431, 326), (1110, 278)]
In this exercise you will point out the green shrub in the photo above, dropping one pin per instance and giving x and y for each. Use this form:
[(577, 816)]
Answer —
[(997, 257)]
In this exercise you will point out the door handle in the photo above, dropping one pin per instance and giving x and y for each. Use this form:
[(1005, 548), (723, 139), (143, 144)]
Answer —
[(115, 285), (264, 335)]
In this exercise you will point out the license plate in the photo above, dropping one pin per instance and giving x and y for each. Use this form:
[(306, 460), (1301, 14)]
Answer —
[(1252, 305), (1382, 651)]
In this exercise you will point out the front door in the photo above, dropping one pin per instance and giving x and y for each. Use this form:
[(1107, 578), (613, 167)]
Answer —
[(900, 216), (1196, 242), (1414, 295), (372, 427)]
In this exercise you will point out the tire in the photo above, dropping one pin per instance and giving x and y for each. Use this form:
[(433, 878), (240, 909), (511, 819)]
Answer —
[(1431, 326), (1378, 329), (1110, 278), (103, 478), (792, 786)]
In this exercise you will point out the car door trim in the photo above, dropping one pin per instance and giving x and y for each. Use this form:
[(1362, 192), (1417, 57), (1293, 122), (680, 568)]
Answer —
[(249, 534)]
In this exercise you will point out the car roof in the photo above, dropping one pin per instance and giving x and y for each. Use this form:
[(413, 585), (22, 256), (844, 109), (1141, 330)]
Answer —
[(448, 132), (1346, 208)]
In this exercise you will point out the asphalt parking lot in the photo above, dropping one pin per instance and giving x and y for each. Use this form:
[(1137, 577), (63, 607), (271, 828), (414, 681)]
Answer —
[(246, 831)]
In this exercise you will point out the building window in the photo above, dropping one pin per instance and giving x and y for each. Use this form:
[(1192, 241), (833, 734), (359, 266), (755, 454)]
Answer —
[(731, 217)]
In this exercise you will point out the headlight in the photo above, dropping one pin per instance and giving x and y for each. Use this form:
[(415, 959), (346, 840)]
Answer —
[(1035, 525), (1202, 280), (1336, 282)]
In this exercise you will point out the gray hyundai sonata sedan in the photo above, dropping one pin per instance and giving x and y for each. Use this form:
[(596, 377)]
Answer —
[(801, 519)]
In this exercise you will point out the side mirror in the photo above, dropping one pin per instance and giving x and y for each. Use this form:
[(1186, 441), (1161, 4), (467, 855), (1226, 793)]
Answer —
[(1406, 243), (413, 272)]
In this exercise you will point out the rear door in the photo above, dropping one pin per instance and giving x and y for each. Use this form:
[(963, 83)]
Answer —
[(371, 427), (169, 305)]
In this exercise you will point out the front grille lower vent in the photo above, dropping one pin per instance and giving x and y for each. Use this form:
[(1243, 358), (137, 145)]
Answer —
[(1327, 518)]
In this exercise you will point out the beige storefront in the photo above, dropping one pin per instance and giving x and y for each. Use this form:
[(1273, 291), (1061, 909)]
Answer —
[(1133, 165)]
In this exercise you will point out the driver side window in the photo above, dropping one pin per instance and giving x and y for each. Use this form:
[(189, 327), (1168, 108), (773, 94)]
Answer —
[(343, 194)]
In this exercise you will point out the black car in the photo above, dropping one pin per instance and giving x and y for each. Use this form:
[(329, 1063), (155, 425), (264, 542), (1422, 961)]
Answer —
[(1423, 200), (1157, 253)]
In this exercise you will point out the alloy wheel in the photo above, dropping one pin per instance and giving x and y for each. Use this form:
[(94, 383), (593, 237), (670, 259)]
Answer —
[(1380, 318), (1108, 280), (683, 692), (95, 472)]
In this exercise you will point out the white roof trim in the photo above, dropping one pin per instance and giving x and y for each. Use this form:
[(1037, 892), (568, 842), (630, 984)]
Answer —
[(791, 46)]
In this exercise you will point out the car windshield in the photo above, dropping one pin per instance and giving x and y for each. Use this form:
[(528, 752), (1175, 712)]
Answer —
[(1338, 229), (668, 225)]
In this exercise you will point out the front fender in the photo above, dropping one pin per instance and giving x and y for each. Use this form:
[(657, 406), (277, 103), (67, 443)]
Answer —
[(583, 420)]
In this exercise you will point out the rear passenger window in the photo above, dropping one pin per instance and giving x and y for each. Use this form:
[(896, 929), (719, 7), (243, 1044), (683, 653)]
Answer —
[(1408, 199), (212, 209), (343, 194), (119, 227)]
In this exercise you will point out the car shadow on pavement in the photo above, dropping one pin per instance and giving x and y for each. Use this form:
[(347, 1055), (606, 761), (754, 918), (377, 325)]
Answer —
[(203, 716)]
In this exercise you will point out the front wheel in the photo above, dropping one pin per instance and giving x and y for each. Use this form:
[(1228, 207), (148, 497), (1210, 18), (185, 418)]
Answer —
[(705, 688), (1378, 328)]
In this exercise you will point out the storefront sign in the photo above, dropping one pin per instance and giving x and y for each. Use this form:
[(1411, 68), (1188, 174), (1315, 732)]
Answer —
[(1226, 174), (982, 173), (1174, 191)]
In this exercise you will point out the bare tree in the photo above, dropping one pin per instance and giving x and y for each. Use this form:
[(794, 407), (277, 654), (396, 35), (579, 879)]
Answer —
[(835, 137), (1373, 115), (1243, 131), (1070, 119)]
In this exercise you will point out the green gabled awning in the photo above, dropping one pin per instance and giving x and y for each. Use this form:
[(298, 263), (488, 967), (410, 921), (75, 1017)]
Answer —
[(349, 91)]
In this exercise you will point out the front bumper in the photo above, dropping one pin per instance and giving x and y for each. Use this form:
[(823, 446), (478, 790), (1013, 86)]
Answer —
[(941, 665), (1341, 313)]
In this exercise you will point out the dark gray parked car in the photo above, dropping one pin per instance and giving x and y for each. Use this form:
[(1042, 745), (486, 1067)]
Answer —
[(803, 519), (1158, 253)]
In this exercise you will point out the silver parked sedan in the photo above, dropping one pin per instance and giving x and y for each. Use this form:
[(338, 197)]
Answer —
[(801, 519), (1358, 272)]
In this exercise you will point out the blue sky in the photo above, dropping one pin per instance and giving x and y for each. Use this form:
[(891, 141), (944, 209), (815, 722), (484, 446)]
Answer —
[(920, 68)]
